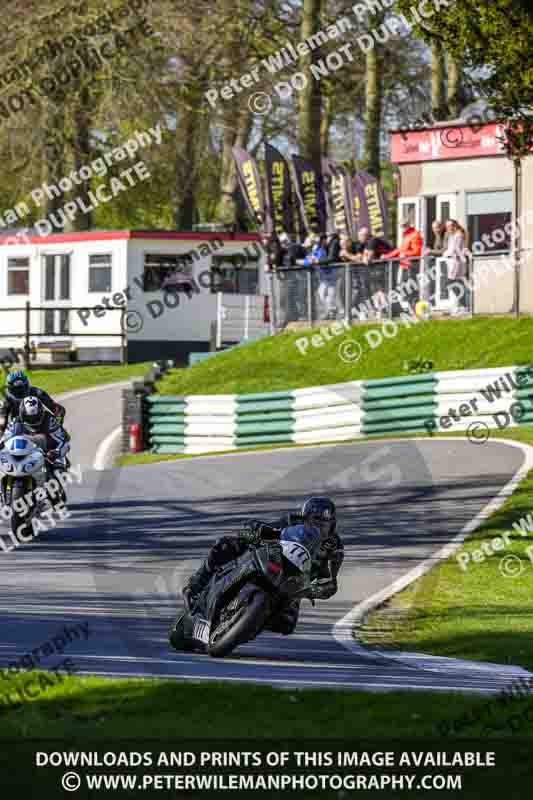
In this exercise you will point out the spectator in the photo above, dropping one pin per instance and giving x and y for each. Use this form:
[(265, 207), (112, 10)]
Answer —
[(329, 273), (457, 262), (436, 250), (326, 288), (357, 254), (373, 247), (440, 240), (410, 248)]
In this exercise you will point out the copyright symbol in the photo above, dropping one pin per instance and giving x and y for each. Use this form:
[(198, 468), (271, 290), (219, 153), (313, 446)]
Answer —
[(452, 137), (131, 322), (71, 782), (259, 103), (511, 566), (350, 351), (478, 432)]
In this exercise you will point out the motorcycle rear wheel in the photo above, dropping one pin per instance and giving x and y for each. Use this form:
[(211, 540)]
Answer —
[(247, 626)]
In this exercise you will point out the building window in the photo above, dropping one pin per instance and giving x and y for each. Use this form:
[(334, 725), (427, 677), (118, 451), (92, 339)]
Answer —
[(163, 271), (18, 276), (488, 214), (100, 273), (235, 274)]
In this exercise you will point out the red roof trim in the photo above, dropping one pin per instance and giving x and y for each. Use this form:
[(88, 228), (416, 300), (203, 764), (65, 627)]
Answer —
[(196, 235), (96, 236)]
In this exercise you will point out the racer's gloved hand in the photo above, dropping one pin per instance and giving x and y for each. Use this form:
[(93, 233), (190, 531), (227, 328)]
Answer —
[(251, 538), (190, 599), (252, 531), (323, 590)]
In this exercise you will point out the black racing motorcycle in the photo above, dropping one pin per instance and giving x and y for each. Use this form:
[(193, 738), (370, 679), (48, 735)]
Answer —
[(246, 593)]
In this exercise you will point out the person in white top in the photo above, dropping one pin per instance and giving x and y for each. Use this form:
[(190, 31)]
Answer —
[(456, 254)]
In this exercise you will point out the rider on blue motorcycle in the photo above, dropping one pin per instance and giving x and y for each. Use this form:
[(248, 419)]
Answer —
[(37, 424), (318, 513), (17, 388)]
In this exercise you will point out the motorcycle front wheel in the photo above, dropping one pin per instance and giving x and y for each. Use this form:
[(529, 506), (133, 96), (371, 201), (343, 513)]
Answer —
[(20, 524), (243, 626)]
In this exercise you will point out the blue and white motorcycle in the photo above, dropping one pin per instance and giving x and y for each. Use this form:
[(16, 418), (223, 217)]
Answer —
[(23, 469)]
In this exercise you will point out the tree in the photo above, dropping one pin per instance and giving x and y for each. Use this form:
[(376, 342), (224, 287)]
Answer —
[(373, 110), (492, 40), (438, 87), (310, 98)]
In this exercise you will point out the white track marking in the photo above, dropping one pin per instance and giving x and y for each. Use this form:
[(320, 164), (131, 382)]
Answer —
[(101, 388), (101, 460), (343, 629)]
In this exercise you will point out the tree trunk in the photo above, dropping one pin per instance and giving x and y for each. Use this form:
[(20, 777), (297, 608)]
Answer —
[(54, 154), (324, 125), (438, 88), (189, 137), (185, 171), (454, 87), (233, 135), (82, 157), (373, 111), (310, 98)]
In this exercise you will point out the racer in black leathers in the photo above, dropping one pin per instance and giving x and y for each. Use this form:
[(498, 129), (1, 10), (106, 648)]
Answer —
[(16, 389), (38, 425), (318, 512)]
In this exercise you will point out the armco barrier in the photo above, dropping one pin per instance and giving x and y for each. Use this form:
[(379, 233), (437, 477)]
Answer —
[(439, 401)]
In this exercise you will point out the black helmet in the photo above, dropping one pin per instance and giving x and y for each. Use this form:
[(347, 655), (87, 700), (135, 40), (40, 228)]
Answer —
[(321, 512), (17, 384), (32, 413)]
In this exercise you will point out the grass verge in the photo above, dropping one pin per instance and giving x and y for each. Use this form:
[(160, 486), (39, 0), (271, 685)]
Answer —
[(149, 716), (481, 610), (276, 362), (68, 380), (145, 708)]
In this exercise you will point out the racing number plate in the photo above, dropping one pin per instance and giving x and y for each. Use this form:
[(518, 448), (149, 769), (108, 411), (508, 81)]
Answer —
[(298, 554), (201, 632)]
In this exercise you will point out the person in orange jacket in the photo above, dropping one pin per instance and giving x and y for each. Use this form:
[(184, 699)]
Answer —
[(410, 247), (411, 244)]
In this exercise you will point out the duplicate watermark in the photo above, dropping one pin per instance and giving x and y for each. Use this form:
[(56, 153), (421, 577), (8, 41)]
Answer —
[(510, 565), (395, 25), (98, 167), (44, 519), (18, 690)]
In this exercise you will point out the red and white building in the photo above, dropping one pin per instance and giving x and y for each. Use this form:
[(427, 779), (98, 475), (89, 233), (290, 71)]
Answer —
[(61, 276), (460, 171)]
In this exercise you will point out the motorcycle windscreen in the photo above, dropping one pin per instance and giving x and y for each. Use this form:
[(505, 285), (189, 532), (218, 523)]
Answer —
[(300, 543)]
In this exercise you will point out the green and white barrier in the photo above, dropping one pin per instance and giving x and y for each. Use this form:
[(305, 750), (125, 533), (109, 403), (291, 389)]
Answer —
[(440, 401)]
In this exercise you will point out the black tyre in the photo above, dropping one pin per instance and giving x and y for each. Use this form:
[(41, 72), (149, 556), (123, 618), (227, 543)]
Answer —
[(20, 524), (245, 625), (178, 637), (61, 497)]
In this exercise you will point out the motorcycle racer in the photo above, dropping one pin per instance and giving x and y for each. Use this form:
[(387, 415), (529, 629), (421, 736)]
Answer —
[(17, 388), (318, 513), (38, 425)]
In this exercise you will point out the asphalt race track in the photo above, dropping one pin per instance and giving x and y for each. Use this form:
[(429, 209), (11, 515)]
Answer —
[(136, 533)]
